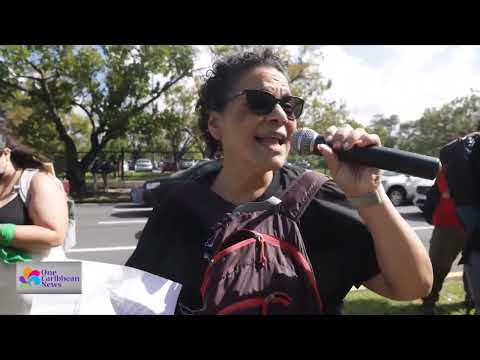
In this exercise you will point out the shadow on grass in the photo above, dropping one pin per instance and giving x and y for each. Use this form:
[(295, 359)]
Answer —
[(385, 307)]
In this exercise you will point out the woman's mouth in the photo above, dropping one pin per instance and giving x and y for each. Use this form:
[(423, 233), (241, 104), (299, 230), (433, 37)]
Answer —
[(271, 143)]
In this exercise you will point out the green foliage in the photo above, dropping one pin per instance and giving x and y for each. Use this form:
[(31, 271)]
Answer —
[(439, 126), (385, 128), (83, 100), (110, 84)]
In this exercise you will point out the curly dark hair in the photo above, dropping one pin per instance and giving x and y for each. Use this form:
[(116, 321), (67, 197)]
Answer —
[(221, 79)]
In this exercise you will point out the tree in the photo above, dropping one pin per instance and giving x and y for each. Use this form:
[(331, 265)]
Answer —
[(385, 128), (110, 84), (30, 129), (179, 122), (439, 126), (307, 82)]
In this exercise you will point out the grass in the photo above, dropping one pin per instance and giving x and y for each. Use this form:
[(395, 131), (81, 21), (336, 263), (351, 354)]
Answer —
[(365, 302)]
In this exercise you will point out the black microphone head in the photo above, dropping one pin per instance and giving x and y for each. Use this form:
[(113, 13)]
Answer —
[(303, 141)]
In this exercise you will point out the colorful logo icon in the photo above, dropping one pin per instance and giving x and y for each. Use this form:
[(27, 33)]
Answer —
[(31, 277)]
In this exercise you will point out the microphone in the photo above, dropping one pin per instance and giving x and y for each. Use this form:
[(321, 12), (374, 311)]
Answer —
[(305, 141)]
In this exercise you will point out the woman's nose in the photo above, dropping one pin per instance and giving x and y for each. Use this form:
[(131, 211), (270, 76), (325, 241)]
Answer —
[(278, 114)]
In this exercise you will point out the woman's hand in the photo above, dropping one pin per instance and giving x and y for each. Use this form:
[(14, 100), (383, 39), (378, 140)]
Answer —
[(352, 178)]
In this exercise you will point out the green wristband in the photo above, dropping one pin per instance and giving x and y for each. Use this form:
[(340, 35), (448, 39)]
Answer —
[(8, 232)]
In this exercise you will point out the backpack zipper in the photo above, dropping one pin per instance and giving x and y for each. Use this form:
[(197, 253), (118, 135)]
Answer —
[(262, 259)]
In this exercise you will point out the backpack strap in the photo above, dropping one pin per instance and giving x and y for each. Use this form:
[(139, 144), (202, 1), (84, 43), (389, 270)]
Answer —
[(299, 195), (268, 204)]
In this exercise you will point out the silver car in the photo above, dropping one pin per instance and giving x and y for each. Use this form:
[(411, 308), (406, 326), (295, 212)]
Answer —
[(143, 165), (400, 188)]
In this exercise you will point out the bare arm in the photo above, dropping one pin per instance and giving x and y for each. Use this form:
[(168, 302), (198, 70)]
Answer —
[(405, 267), (406, 271), (49, 213)]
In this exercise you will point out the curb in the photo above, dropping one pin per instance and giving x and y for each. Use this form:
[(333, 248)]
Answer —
[(103, 201)]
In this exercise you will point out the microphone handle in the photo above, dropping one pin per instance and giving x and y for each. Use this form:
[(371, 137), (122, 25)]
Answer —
[(389, 159)]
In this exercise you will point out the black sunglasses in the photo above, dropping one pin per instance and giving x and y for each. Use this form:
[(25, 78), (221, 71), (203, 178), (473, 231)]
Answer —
[(261, 102)]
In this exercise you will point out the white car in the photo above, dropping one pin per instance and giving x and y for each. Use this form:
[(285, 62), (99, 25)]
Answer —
[(421, 190), (143, 165), (400, 188), (126, 168)]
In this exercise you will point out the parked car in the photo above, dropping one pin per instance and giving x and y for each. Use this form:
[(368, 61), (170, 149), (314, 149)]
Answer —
[(143, 165), (400, 188), (421, 192), (152, 191)]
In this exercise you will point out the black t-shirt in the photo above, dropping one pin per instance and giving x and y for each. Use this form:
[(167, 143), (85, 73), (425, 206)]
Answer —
[(338, 243)]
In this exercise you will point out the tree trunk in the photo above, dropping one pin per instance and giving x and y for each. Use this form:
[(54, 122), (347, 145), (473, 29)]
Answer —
[(94, 182), (105, 181), (75, 172), (76, 176)]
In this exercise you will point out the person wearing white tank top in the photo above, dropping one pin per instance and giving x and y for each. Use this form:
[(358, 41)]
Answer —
[(31, 228)]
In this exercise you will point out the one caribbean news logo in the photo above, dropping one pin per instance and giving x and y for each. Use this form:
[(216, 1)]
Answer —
[(49, 278), (31, 277)]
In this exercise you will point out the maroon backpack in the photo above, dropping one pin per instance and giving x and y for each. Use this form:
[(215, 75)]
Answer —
[(257, 259)]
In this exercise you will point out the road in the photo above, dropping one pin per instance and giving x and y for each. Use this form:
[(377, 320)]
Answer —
[(106, 232)]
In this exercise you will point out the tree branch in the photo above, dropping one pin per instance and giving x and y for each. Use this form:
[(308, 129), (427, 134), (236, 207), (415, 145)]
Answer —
[(89, 114), (29, 77), (165, 87), (200, 69), (16, 86), (37, 69), (52, 109), (195, 139)]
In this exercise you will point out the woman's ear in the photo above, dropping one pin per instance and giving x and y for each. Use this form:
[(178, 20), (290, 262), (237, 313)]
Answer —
[(215, 125)]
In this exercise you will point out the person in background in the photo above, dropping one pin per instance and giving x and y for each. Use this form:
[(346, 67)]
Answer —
[(469, 214), (447, 241)]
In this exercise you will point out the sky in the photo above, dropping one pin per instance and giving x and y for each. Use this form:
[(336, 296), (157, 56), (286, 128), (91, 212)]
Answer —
[(403, 80)]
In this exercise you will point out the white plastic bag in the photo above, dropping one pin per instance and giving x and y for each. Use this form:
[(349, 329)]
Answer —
[(109, 289)]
